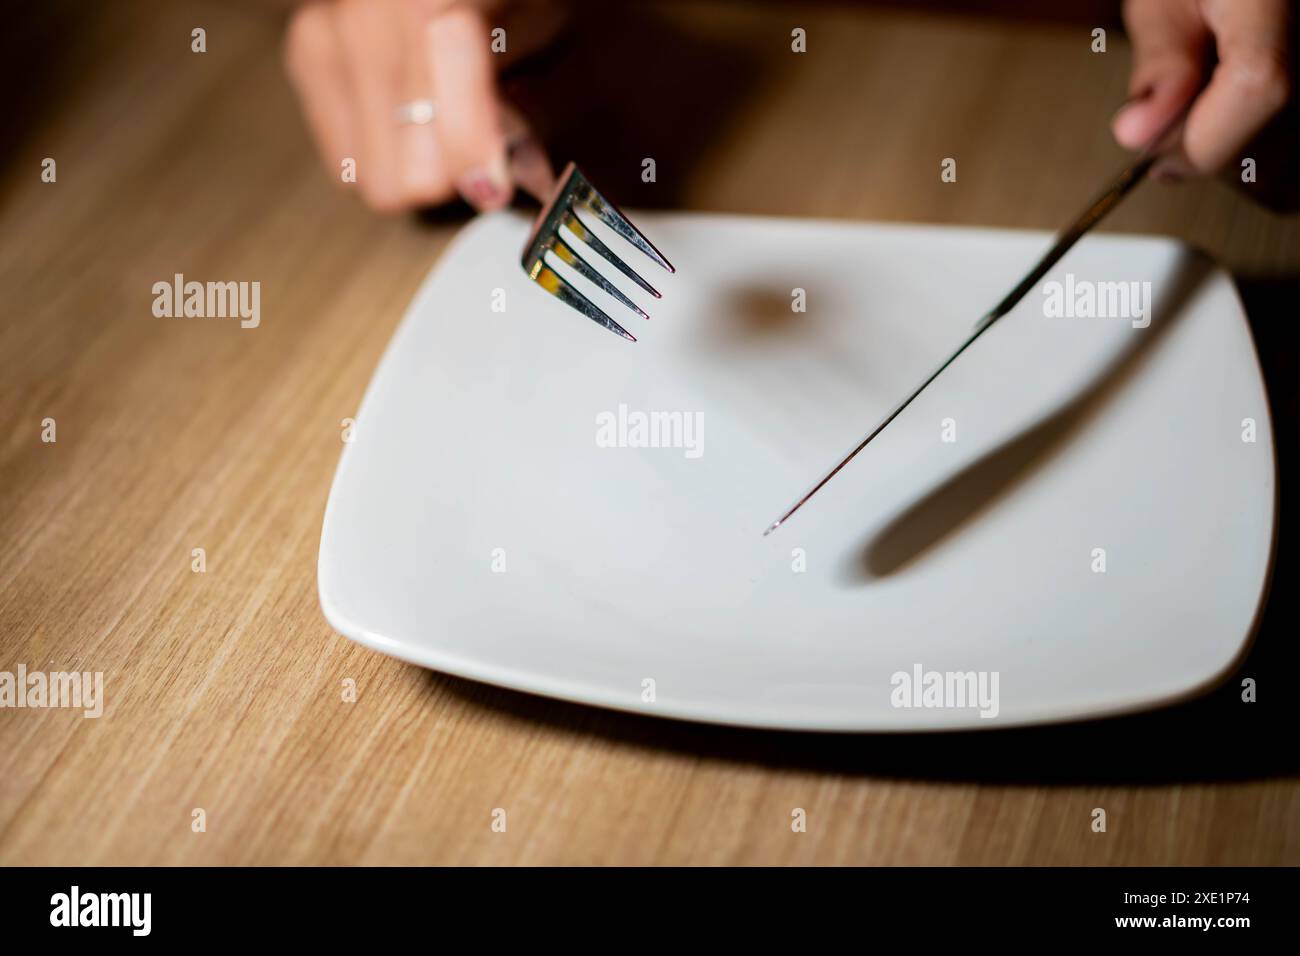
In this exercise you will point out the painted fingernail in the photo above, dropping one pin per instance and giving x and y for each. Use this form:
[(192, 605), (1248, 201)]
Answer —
[(1167, 172), (481, 190)]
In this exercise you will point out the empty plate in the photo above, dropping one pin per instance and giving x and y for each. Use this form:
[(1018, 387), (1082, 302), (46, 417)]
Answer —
[(1076, 519)]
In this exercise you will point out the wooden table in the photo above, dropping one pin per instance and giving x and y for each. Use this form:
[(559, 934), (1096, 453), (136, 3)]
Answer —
[(224, 688)]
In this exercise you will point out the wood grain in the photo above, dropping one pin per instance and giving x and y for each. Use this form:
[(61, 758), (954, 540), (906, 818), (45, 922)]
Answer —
[(224, 688)]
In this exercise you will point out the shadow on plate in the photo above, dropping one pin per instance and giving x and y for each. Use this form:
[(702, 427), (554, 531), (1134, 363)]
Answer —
[(1214, 737), (762, 313), (945, 510)]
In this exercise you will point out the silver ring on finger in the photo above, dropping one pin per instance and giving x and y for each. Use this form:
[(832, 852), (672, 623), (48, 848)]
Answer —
[(415, 113)]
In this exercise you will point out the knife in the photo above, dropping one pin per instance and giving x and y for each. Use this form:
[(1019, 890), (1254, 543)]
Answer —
[(1097, 210)]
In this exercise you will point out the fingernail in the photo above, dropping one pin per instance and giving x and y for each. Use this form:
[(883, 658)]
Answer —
[(1167, 171), (481, 190)]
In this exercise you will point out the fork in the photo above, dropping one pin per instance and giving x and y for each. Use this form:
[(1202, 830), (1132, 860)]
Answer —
[(576, 192)]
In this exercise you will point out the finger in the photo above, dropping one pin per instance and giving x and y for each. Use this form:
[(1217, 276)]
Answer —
[(1249, 86), (1170, 44), (527, 25), (370, 36), (529, 166), (423, 171), (314, 62), (469, 122)]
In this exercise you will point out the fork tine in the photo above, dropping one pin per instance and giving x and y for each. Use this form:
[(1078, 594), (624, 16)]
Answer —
[(611, 216), (572, 190), (554, 283), (586, 235), (570, 258)]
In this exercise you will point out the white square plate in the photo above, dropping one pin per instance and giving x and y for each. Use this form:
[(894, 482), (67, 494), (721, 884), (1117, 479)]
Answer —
[(479, 524)]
